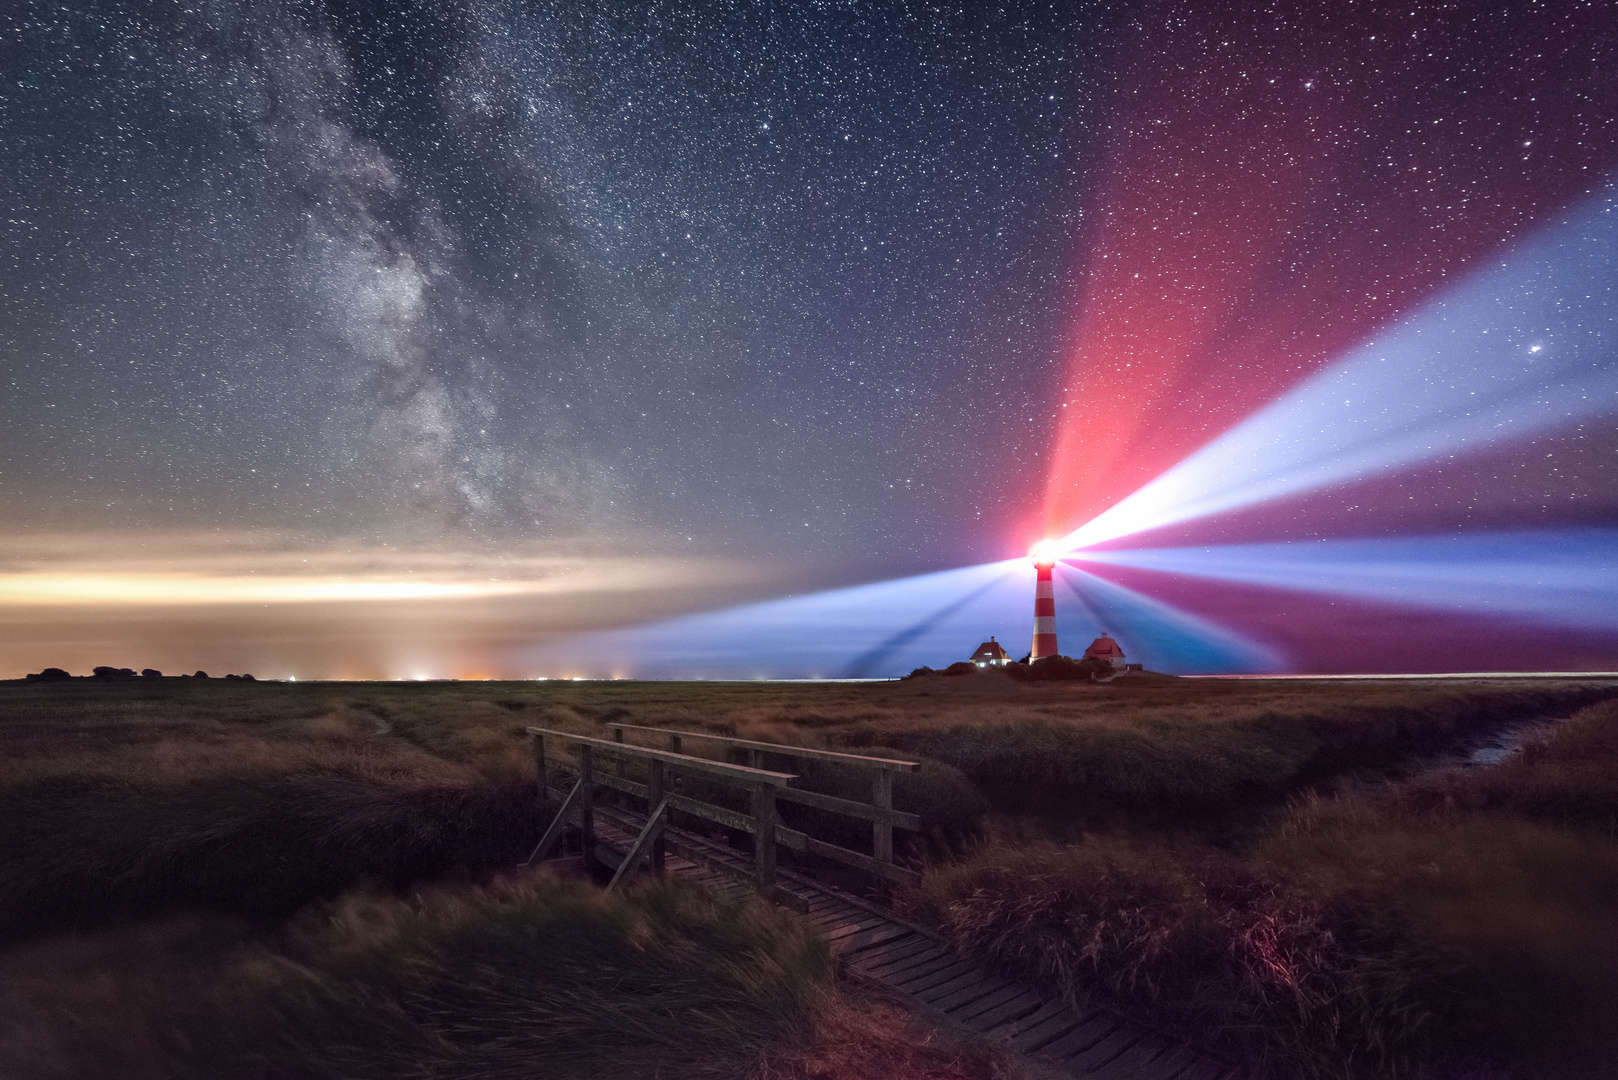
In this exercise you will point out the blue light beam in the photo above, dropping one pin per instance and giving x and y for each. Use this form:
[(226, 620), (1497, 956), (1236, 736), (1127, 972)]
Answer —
[(886, 629), (1161, 637), (1529, 346), (882, 629), (1565, 577)]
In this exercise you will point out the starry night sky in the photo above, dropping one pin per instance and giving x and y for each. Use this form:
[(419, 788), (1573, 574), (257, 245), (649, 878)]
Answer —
[(791, 281), (854, 289)]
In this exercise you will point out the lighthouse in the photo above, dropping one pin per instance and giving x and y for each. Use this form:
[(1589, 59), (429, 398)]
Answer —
[(1044, 604)]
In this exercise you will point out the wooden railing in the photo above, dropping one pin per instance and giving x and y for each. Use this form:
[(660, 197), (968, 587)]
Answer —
[(661, 791), (879, 811)]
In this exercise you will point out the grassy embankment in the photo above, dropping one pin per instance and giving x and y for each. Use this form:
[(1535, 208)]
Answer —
[(1143, 846)]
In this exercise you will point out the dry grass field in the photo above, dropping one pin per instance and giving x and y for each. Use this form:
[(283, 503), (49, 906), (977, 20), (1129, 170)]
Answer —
[(261, 879)]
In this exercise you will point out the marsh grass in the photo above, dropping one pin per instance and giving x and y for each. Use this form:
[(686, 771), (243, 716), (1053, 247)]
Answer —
[(251, 803), (1218, 884), (1214, 777), (467, 982), (525, 976), (1468, 916)]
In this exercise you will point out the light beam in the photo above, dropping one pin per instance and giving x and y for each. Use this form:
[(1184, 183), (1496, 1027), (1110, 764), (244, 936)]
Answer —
[(1523, 348), (1565, 577), (886, 629)]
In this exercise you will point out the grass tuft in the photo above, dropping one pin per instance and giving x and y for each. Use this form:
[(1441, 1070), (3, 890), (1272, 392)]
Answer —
[(466, 982)]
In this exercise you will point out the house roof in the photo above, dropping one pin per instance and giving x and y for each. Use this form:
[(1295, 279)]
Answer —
[(990, 650), (1104, 648)]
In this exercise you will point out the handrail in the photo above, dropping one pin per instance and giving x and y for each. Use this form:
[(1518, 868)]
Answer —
[(765, 788), (744, 774), (886, 764)]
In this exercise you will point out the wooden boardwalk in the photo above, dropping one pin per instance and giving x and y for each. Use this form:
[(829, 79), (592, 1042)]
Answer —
[(875, 946), (871, 943)]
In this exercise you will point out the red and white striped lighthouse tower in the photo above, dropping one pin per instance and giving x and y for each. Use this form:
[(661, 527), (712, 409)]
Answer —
[(1044, 604)]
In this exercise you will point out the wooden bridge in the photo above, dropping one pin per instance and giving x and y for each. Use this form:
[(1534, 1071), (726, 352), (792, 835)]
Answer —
[(634, 809)]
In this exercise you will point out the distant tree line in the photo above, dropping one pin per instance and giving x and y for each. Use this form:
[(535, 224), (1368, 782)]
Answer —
[(120, 674)]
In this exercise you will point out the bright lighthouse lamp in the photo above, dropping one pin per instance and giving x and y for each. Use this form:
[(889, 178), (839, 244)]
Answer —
[(1045, 553)]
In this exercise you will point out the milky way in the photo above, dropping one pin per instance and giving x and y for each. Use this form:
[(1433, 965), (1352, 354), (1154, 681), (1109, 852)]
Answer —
[(783, 281)]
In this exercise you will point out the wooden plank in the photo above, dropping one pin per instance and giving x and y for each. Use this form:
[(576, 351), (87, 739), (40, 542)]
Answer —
[(701, 854), (1034, 1036), (554, 833), (882, 830), (888, 954), (838, 931), (708, 811), (1090, 1061), (541, 775), (1015, 1010), (1174, 1063), (802, 752), (627, 825), (763, 800), (739, 774), (965, 1010), (988, 988), (1134, 1063), (917, 966), (975, 977), (900, 874), (831, 920), (1203, 1069), (900, 969), (1093, 1030), (857, 919), (642, 845), (873, 938), (850, 808), (1010, 1028), (913, 982), (619, 783), (587, 821), (655, 795)]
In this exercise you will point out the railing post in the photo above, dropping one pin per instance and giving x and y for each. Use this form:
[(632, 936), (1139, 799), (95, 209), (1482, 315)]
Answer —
[(616, 798), (587, 817), (654, 799), (882, 831), (764, 838), (539, 768), (674, 741)]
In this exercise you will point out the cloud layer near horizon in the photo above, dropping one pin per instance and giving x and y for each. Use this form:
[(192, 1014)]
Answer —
[(280, 607)]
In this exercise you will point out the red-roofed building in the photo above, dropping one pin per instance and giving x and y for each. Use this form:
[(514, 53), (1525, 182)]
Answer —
[(1104, 648), (990, 654)]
